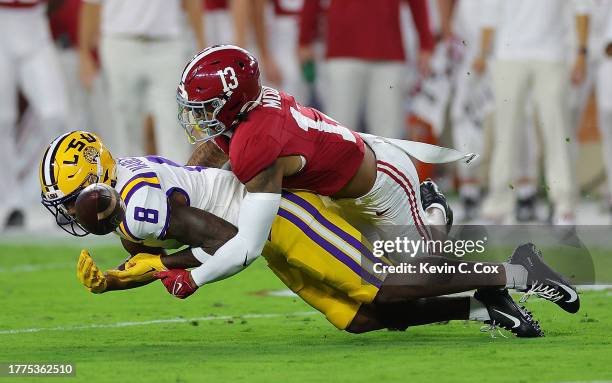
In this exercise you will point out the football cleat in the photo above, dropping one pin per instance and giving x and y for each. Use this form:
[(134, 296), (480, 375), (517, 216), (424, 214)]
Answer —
[(544, 281), (431, 195), (505, 313)]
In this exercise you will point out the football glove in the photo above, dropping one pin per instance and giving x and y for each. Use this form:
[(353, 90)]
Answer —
[(178, 282), (431, 195), (139, 268), (89, 274)]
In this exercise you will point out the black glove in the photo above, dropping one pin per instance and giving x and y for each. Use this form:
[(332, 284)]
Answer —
[(430, 194)]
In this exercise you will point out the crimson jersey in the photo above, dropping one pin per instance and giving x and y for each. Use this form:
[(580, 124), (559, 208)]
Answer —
[(64, 22), (20, 3), (281, 127), (215, 5), (365, 29)]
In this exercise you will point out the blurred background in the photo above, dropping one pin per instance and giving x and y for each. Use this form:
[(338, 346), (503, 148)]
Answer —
[(527, 85)]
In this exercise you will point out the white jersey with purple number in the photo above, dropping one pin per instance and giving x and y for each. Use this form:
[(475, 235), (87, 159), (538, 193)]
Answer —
[(145, 183)]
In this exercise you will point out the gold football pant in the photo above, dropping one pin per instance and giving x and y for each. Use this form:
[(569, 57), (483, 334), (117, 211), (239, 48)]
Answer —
[(322, 258)]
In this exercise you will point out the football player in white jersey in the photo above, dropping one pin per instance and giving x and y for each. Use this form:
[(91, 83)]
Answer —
[(311, 249)]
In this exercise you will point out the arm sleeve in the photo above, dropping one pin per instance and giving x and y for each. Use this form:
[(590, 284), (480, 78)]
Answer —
[(420, 15), (146, 213), (200, 254), (257, 213)]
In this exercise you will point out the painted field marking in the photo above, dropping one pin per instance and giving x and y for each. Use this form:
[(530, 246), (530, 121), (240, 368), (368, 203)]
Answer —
[(155, 321), (32, 268)]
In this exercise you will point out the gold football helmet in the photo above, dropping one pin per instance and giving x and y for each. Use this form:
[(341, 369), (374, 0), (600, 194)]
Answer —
[(72, 162)]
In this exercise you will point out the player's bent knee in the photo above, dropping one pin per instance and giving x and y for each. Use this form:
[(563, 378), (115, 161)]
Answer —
[(358, 326), (364, 321), (356, 329), (390, 294)]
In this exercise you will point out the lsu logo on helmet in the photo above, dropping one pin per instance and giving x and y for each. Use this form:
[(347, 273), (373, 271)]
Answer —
[(72, 162)]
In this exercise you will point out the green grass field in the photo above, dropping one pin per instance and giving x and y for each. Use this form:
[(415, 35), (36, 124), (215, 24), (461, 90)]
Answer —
[(232, 331)]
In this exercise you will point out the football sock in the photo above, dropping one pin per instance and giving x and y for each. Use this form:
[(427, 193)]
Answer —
[(478, 311), (423, 311), (516, 276), (447, 278)]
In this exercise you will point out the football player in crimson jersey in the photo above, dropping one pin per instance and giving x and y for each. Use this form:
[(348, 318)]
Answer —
[(275, 143)]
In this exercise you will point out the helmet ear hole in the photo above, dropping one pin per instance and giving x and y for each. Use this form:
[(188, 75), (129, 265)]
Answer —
[(241, 64)]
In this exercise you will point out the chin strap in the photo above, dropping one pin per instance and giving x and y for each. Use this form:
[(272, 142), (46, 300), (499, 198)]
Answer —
[(246, 108)]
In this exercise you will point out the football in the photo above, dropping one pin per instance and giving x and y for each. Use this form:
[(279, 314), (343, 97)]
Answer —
[(99, 209)]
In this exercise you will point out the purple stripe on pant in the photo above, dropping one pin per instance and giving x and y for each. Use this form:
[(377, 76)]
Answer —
[(330, 248), (330, 226)]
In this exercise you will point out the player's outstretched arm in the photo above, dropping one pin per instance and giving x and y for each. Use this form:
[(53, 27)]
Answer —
[(134, 248), (138, 271), (189, 226), (197, 228), (257, 213)]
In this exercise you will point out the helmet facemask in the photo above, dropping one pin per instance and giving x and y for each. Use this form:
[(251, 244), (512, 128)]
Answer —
[(62, 208), (199, 118)]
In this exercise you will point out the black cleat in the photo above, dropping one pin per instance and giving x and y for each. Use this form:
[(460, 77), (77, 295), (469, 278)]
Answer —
[(505, 313), (544, 281), (430, 194)]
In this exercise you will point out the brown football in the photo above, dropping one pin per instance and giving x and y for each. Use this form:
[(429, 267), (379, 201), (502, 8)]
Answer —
[(99, 209)]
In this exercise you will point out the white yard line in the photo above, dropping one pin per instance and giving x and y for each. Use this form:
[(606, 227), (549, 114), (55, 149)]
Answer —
[(593, 287), (155, 321), (29, 268), (58, 239), (589, 381)]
